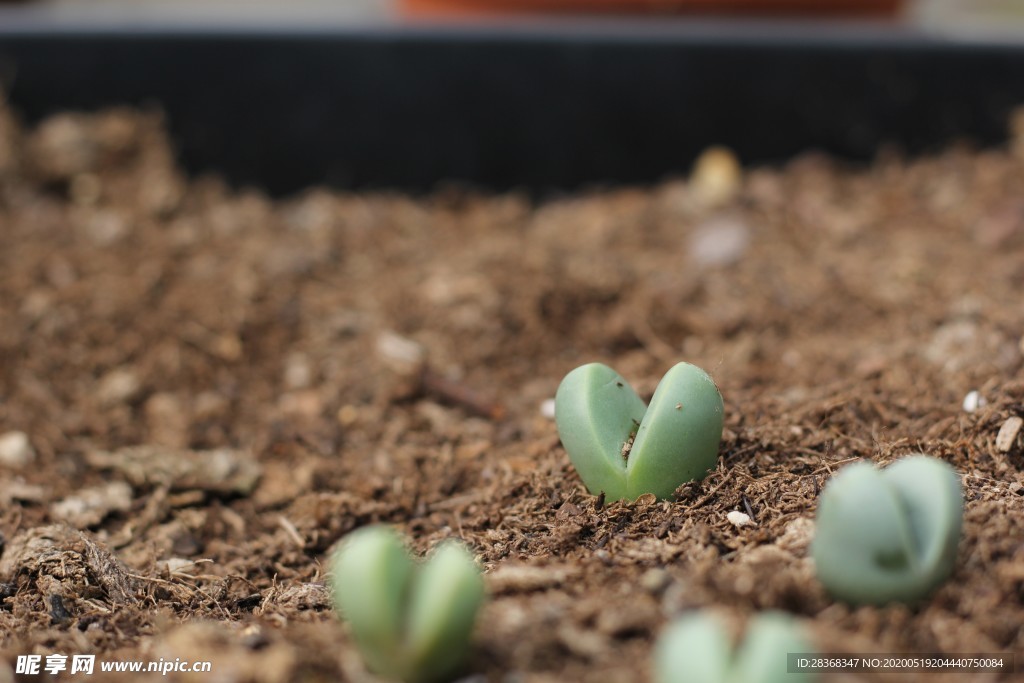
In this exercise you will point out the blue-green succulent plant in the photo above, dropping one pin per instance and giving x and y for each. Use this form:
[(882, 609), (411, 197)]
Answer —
[(885, 535), (624, 448), (412, 622)]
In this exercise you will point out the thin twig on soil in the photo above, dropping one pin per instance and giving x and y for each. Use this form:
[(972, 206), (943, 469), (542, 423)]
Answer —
[(291, 531), (461, 395)]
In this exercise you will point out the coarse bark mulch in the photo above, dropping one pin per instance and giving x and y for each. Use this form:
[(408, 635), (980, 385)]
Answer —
[(217, 386)]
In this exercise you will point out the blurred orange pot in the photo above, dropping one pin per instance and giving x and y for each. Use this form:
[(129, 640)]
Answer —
[(753, 7)]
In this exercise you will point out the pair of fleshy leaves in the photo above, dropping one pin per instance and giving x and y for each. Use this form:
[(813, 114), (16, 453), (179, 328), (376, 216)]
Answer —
[(412, 621), (697, 649), (624, 448), (891, 534)]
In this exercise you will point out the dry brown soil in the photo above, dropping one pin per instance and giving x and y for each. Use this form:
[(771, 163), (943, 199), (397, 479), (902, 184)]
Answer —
[(216, 387)]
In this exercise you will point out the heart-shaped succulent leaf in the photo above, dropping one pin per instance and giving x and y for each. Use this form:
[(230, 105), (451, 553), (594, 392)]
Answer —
[(411, 623), (626, 449), (888, 535), (446, 594), (697, 649)]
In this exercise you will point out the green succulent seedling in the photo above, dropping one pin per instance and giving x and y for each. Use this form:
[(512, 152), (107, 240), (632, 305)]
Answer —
[(888, 535), (697, 649), (412, 622), (626, 449)]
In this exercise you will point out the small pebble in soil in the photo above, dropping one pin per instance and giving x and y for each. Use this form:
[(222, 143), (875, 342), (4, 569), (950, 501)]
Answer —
[(348, 415), (719, 241), (298, 371), (16, 450), (547, 408), (716, 177), (972, 401), (655, 580), (1008, 433), (738, 519), (402, 354), (118, 386)]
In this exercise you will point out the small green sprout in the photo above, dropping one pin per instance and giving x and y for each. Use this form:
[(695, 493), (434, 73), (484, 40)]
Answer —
[(412, 623), (697, 649), (626, 449), (888, 535)]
